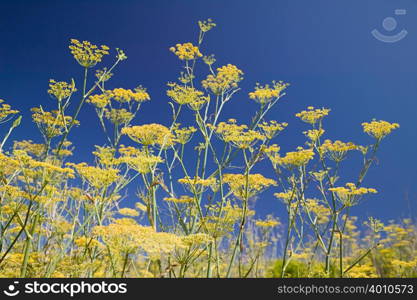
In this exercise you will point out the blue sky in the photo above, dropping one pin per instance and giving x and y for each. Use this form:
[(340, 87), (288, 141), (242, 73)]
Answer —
[(324, 48)]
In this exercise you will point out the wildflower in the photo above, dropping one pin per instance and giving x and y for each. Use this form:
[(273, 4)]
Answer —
[(99, 100), (209, 59), (270, 129), (350, 194), (314, 134), (185, 95), (106, 156), (139, 160), (296, 159), (379, 129), (269, 222), (95, 176), (287, 197), (128, 212), (6, 111), (245, 187), (227, 78), (118, 116), (222, 219), (126, 236), (206, 25), (150, 135), (51, 124), (312, 116), (183, 135), (87, 54), (121, 95), (37, 150), (197, 183), (180, 200), (320, 212), (186, 51), (103, 75), (238, 135), (264, 94), (336, 150), (61, 89)]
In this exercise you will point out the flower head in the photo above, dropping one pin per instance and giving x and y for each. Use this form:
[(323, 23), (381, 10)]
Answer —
[(266, 93), (379, 129), (312, 116), (87, 54), (186, 51), (227, 78)]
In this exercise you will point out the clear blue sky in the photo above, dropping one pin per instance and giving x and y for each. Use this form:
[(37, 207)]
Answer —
[(324, 48)]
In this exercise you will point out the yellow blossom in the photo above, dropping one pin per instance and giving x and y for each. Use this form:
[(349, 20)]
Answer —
[(227, 78), (266, 93), (87, 54), (186, 51), (312, 116), (244, 187), (379, 129), (150, 135), (61, 89)]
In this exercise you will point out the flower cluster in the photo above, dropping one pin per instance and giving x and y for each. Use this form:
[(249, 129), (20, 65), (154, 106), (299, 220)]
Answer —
[(311, 115), (186, 95), (61, 89), (238, 135), (349, 194), (186, 51), (379, 129), (206, 25), (295, 159), (266, 93), (336, 150), (227, 78), (87, 54), (246, 186), (150, 135)]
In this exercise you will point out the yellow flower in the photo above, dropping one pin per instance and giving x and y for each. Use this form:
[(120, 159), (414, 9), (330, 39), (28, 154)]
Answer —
[(87, 54), (379, 129), (180, 200), (314, 134), (266, 93), (206, 25), (185, 95), (270, 129), (238, 135), (270, 222), (299, 158), (61, 89), (139, 160), (186, 51), (312, 116), (150, 134), (128, 212), (198, 183), (245, 188), (118, 116), (95, 176), (6, 111), (350, 194), (227, 78), (121, 95), (52, 123), (183, 135), (336, 150)]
